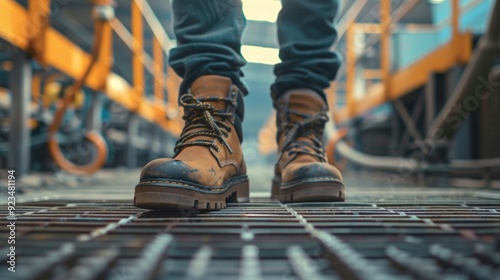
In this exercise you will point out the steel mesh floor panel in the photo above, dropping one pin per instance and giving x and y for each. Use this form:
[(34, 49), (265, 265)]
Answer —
[(396, 236)]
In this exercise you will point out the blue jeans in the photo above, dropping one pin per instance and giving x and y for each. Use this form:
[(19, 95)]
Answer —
[(209, 40)]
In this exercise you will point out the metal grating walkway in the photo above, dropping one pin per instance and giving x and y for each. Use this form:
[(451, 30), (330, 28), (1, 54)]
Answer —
[(446, 235)]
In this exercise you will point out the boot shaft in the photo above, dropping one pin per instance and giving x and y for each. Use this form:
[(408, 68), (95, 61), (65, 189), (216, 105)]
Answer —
[(295, 108), (301, 118)]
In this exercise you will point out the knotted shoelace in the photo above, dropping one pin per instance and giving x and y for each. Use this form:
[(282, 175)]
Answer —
[(207, 119), (310, 127)]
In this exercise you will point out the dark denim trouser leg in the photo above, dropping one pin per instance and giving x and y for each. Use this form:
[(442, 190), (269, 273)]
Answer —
[(208, 36), (305, 34)]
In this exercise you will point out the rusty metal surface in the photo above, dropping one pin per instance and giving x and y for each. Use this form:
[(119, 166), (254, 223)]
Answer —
[(397, 235)]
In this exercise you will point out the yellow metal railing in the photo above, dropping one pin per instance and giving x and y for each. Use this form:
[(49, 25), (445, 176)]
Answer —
[(57, 51), (30, 30), (396, 84)]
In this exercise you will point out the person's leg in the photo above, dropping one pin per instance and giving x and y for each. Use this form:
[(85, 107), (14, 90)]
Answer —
[(208, 36), (207, 169), (305, 33)]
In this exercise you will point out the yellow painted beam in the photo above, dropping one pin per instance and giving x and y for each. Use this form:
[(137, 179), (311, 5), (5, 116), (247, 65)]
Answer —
[(455, 17), (138, 48), (402, 82), (440, 60), (68, 58), (106, 53), (127, 37), (371, 74), (351, 68), (158, 60), (39, 21), (11, 15)]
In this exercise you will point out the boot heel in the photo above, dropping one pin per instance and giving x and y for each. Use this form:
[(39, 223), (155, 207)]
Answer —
[(275, 190), (240, 193)]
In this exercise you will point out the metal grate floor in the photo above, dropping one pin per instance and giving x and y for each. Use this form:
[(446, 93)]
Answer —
[(443, 236)]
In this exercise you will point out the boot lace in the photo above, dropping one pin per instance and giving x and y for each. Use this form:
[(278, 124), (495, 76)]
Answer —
[(198, 114), (310, 127)]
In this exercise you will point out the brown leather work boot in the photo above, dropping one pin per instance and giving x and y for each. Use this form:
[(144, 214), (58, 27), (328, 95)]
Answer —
[(302, 172), (207, 169)]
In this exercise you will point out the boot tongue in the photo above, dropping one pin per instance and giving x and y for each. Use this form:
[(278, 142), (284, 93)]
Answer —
[(212, 86)]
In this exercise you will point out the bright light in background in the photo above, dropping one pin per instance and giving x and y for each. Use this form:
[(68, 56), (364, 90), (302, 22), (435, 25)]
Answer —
[(436, 1), (261, 10), (255, 54)]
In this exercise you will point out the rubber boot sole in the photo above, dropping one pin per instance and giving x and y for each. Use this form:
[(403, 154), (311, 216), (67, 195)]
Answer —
[(166, 194), (308, 190)]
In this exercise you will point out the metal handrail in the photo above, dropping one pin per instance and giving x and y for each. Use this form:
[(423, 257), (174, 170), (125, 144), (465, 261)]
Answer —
[(483, 59), (383, 92), (155, 25)]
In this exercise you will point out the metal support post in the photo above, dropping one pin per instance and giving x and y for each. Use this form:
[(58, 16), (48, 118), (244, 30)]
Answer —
[(385, 44), (430, 100), (131, 150), (94, 116), (19, 134), (154, 147)]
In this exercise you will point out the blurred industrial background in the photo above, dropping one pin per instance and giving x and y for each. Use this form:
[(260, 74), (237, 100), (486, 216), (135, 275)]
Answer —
[(87, 98)]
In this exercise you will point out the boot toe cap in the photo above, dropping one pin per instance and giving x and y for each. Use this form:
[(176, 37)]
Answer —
[(317, 170), (169, 169)]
